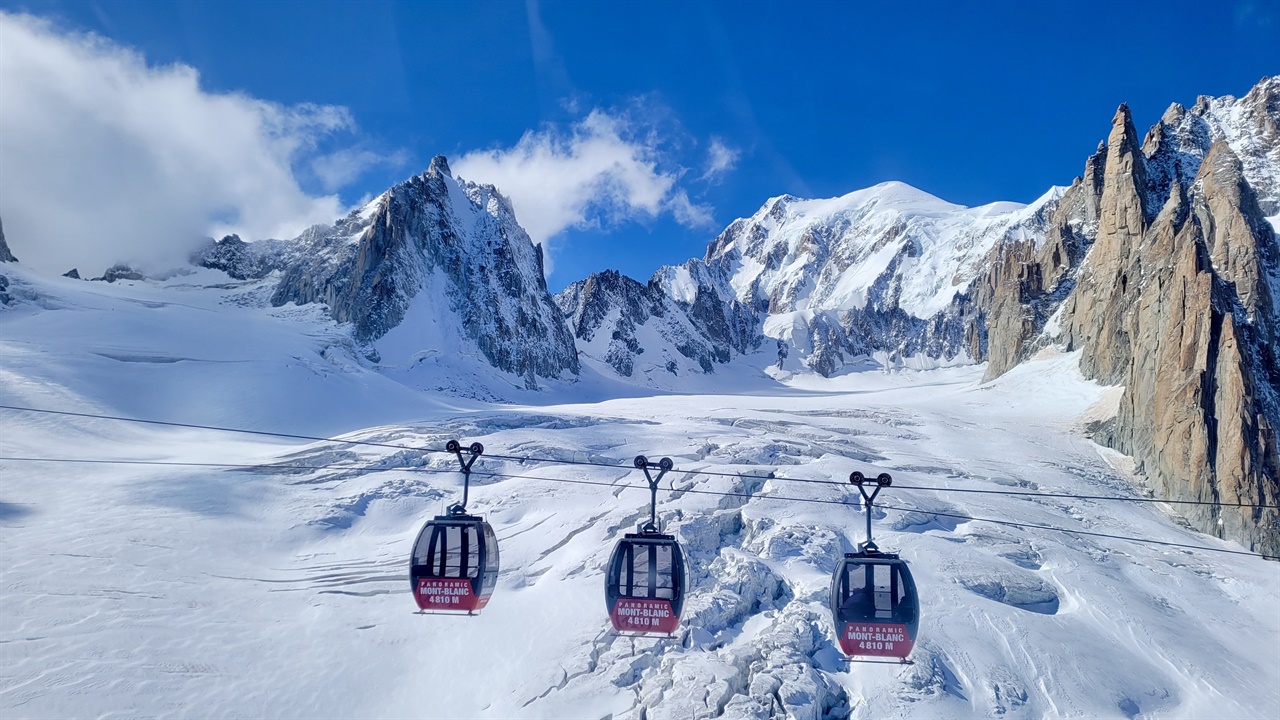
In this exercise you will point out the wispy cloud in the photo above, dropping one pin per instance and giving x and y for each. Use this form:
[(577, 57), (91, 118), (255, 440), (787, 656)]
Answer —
[(1249, 15), (605, 169), (340, 168), (109, 159), (721, 159)]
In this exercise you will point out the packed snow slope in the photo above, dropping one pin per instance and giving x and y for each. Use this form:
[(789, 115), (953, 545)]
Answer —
[(281, 591)]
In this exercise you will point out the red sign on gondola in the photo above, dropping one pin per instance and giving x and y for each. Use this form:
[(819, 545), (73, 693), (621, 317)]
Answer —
[(644, 615), (876, 639), (446, 594)]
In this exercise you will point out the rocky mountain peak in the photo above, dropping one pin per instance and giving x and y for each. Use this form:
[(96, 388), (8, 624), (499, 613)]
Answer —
[(1175, 206), (1124, 202), (1263, 100), (439, 166), (432, 262), (1250, 125)]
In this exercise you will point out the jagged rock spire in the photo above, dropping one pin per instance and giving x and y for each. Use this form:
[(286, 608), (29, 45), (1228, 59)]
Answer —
[(1124, 211)]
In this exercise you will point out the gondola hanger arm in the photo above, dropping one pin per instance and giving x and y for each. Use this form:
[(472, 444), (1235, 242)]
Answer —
[(664, 466), (474, 451), (883, 480)]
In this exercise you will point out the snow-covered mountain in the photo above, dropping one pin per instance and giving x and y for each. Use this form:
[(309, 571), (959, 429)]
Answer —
[(1250, 126), (616, 320), (889, 271), (433, 266), (821, 282)]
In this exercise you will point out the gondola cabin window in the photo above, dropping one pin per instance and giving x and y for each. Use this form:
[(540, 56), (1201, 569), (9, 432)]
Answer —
[(646, 566), (878, 598), (452, 552)]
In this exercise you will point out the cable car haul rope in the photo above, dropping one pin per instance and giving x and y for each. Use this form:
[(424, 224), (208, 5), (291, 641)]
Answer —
[(454, 560)]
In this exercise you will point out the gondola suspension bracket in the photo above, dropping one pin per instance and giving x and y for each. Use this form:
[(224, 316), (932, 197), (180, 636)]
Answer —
[(883, 480), (664, 466), (474, 451)]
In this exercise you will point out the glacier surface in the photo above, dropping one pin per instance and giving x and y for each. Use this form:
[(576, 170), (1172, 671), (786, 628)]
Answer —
[(281, 591)]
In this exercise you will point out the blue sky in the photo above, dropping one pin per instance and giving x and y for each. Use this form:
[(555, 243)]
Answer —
[(648, 127)]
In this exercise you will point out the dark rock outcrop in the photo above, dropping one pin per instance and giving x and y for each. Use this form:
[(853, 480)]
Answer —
[(239, 259), (5, 255), (120, 272), (607, 312)]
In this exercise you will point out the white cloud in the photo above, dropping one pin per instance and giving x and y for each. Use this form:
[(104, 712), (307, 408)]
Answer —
[(688, 213), (720, 159), (342, 167), (606, 169), (107, 159)]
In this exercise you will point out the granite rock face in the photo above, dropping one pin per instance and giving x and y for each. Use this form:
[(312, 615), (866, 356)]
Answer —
[(1027, 281), (1195, 347), (1174, 298)]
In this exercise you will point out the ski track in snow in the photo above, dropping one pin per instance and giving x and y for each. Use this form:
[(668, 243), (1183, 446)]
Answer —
[(136, 591)]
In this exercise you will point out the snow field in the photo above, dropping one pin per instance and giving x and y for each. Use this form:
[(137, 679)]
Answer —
[(147, 591)]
